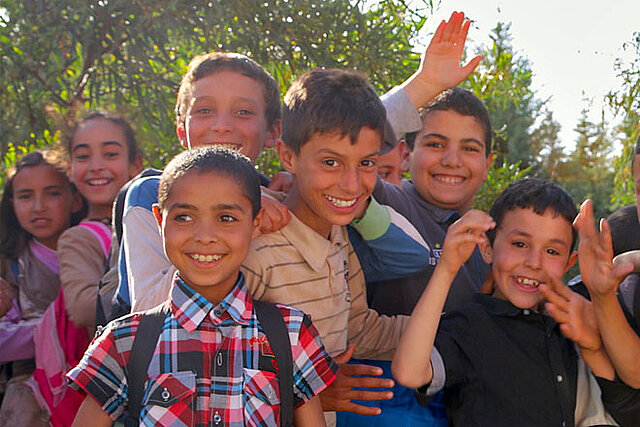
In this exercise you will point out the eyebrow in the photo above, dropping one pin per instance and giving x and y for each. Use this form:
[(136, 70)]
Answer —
[(219, 206), (335, 153), (466, 140), (236, 98), (85, 145), (525, 234)]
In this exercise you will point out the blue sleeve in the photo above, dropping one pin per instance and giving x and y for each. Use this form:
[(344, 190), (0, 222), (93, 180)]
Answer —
[(143, 193), (387, 245)]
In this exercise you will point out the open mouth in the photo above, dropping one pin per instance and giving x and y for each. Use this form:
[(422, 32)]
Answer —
[(527, 283), (228, 145), (96, 182), (340, 203), (205, 258), (448, 179), (40, 221)]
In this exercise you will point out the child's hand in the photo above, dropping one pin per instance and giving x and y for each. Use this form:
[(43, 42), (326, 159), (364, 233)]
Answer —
[(6, 297), (595, 254), (440, 65), (462, 238), (632, 257), (574, 313), (338, 396), (281, 181), (275, 216)]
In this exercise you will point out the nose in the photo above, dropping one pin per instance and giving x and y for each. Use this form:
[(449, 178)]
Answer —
[(221, 123), (534, 259), (206, 233), (38, 203), (350, 181), (96, 163), (451, 156)]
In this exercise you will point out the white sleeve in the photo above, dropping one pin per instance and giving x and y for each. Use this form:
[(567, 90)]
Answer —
[(149, 272)]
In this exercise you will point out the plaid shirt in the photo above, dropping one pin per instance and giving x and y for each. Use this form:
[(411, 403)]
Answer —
[(212, 365)]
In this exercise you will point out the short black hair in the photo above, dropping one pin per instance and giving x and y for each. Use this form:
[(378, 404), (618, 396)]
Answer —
[(463, 102), (205, 65), (213, 159), (330, 101), (537, 195), (625, 229)]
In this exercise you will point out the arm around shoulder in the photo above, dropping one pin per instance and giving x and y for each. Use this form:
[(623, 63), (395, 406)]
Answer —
[(91, 413)]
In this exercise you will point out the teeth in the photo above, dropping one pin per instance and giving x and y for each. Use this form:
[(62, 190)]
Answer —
[(99, 181), (234, 147), (449, 179), (339, 202), (527, 282), (205, 258)]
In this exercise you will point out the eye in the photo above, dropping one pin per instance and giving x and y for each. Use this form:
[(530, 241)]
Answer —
[(433, 144), (471, 148), (383, 173), (24, 196), (227, 218), (183, 217), (518, 244), (203, 111), (368, 163), (80, 157), (112, 154), (54, 193), (330, 162), (552, 252), (244, 112)]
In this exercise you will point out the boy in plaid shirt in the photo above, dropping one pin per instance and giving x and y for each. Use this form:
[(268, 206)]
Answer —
[(213, 364)]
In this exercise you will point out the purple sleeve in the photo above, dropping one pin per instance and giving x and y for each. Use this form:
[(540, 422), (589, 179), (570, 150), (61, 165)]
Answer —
[(16, 336)]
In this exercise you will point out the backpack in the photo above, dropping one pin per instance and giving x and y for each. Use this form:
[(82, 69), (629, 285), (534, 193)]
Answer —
[(107, 307), (60, 346), (146, 339)]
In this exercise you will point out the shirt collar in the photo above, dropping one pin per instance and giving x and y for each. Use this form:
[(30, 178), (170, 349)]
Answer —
[(499, 306), (190, 308), (441, 216), (314, 248)]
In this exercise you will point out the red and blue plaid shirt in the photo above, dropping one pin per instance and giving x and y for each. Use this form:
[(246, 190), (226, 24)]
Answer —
[(212, 365)]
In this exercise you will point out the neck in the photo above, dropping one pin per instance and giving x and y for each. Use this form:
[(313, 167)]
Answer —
[(99, 211), (302, 212)]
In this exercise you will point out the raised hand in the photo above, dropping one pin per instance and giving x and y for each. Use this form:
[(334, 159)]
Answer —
[(440, 67), (595, 254), (462, 238), (275, 216), (574, 314)]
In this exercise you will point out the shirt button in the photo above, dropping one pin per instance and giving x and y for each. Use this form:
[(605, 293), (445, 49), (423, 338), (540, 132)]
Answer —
[(526, 311), (559, 378), (217, 418), (165, 395), (217, 312)]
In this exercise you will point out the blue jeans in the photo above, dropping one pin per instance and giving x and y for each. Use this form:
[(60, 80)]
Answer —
[(401, 411)]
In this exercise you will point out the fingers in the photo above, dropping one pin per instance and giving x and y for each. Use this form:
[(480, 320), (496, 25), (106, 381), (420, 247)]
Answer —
[(452, 28), (471, 66), (346, 356), (364, 382), (357, 369)]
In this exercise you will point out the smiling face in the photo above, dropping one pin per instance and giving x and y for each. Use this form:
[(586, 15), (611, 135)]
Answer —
[(331, 177), (228, 109), (100, 164), (206, 225), (528, 249), (42, 202), (449, 163)]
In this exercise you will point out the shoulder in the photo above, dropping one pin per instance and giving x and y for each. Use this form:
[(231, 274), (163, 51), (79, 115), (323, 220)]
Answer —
[(143, 192)]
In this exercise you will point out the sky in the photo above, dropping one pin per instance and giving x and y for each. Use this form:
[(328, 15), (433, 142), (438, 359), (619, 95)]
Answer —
[(572, 46)]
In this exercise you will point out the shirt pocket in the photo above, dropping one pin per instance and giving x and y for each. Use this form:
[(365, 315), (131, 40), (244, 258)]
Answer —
[(262, 400), (169, 399)]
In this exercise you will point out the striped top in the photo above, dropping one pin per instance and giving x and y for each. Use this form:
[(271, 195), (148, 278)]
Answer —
[(322, 277)]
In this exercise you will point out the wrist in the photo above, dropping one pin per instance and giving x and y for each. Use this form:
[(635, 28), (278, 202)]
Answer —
[(421, 91)]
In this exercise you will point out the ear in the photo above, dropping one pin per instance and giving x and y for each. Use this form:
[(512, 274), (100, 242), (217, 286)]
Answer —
[(572, 260), (273, 135), (287, 156), (404, 156), (487, 166), (181, 132), (256, 224), (486, 251), (135, 167), (158, 214)]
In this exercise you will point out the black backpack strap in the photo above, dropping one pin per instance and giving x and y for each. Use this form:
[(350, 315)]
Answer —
[(277, 333), (144, 343)]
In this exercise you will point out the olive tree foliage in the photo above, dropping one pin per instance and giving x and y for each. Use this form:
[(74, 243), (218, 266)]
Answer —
[(626, 105), (60, 57)]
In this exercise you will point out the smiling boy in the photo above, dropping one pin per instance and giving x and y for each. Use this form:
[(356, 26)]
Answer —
[(213, 362), (501, 360)]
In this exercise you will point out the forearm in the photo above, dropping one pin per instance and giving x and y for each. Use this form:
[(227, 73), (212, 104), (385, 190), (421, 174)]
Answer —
[(16, 336), (411, 364), (620, 341), (599, 363), (309, 414)]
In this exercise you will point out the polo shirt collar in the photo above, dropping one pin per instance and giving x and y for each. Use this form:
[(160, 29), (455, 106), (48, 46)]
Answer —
[(441, 216), (314, 248), (190, 308)]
